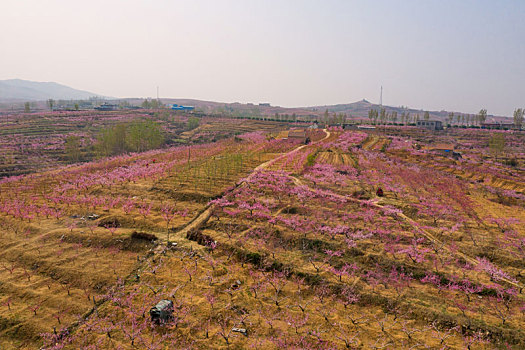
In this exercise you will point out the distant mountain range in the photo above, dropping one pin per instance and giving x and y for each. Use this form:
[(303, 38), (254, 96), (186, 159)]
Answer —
[(18, 91), (25, 90)]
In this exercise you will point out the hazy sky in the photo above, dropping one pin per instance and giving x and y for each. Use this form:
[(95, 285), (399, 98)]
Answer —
[(430, 54)]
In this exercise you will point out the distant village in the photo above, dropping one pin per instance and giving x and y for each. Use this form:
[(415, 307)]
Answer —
[(324, 120)]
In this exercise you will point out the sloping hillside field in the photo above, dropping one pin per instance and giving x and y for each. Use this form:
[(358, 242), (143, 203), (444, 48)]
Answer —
[(273, 244)]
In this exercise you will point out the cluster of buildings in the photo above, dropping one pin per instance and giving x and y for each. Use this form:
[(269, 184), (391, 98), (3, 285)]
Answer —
[(501, 126), (438, 125), (83, 105)]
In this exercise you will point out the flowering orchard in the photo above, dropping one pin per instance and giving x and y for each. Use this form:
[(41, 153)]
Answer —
[(279, 245), (68, 235), (34, 142)]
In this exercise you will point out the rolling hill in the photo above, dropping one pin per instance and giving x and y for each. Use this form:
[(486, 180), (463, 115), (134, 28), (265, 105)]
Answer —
[(25, 90), (360, 109)]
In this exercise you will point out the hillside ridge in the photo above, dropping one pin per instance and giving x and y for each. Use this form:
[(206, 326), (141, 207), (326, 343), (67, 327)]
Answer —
[(18, 89)]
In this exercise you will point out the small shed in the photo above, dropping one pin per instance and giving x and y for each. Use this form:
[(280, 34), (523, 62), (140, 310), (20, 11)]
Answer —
[(177, 107), (107, 107), (446, 150), (162, 312), (430, 124), (298, 134)]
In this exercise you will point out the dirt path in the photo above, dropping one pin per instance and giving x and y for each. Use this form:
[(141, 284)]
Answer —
[(203, 217), (161, 245), (370, 142), (425, 233), (282, 156)]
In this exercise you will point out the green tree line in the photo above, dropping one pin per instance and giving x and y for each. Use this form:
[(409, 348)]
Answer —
[(136, 136)]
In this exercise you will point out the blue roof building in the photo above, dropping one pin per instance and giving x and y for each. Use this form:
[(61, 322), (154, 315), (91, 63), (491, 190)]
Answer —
[(177, 107)]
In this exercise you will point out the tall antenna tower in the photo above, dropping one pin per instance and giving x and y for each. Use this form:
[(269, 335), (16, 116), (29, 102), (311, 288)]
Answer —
[(157, 93), (381, 97)]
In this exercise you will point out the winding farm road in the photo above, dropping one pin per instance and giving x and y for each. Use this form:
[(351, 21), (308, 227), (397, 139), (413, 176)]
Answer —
[(203, 217), (282, 156), (194, 224), (206, 214)]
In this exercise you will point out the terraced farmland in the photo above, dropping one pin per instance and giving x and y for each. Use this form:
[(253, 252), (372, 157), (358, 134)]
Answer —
[(267, 243)]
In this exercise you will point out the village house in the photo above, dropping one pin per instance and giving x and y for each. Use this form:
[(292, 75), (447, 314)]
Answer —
[(430, 124), (299, 134), (445, 150)]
